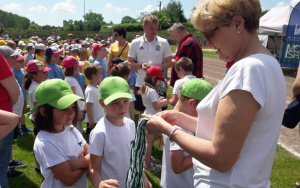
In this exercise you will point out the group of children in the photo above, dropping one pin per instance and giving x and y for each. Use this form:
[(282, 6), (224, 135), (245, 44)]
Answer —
[(58, 109), (63, 153)]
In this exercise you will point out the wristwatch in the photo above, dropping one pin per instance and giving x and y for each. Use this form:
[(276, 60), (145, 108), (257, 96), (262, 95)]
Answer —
[(171, 133)]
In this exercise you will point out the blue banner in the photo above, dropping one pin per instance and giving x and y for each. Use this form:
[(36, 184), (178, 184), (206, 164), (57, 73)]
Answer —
[(291, 50)]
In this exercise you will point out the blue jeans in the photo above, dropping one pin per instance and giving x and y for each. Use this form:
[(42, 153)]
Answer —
[(5, 153)]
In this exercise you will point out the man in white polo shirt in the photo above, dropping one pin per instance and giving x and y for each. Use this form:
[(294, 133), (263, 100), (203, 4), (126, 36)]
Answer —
[(146, 51)]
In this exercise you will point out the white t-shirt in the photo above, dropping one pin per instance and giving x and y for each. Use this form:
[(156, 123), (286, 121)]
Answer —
[(51, 149), (114, 145), (262, 76), (73, 82), (148, 98), (92, 96), (31, 95), (18, 107), (145, 52), (168, 178), (178, 84), (130, 100)]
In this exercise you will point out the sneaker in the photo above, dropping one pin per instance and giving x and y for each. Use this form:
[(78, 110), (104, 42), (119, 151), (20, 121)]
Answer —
[(26, 129), (152, 168), (37, 170), (22, 133), (154, 160), (12, 173), (16, 164)]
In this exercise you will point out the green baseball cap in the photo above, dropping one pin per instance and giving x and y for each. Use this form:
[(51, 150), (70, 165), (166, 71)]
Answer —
[(112, 88), (56, 93), (196, 88)]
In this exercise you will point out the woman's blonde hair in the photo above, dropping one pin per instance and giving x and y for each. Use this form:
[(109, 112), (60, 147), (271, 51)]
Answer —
[(221, 12)]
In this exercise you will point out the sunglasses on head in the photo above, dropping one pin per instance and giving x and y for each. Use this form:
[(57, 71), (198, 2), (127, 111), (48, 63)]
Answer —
[(209, 34)]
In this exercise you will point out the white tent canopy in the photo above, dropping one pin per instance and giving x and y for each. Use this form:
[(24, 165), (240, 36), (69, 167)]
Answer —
[(272, 28), (275, 21)]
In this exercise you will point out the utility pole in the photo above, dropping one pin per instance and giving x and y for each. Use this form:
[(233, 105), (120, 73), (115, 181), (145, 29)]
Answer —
[(83, 10), (159, 6)]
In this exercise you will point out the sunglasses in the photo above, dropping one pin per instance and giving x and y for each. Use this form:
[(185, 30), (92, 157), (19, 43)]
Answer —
[(210, 33)]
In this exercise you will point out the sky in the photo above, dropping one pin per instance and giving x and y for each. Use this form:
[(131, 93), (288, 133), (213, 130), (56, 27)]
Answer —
[(53, 12)]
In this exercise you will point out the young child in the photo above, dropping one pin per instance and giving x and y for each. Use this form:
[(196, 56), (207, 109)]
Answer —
[(110, 141), (19, 74), (153, 105), (184, 70), (59, 147), (52, 60), (101, 52), (36, 74), (72, 67), (123, 70), (177, 165), (30, 53), (94, 111), (40, 51)]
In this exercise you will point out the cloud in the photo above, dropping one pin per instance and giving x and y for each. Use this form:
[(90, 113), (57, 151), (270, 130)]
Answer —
[(147, 9), (38, 9), (280, 4), (13, 7), (67, 6), (109, 6)]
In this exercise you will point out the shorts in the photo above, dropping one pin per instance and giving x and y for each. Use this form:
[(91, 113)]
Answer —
[(138, 103)]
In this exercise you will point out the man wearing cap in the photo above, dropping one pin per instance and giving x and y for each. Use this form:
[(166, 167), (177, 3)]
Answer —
[(101, 52), (148, 50), (52, 59)]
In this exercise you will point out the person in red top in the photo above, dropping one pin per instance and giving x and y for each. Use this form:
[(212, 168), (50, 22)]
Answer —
[(188, 46), (9, 92)]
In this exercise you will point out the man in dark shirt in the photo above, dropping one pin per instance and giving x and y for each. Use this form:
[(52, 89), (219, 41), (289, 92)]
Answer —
[(188, 46)]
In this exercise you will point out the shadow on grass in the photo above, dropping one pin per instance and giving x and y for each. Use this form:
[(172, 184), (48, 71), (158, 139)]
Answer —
[(23, 181), (25, 142)]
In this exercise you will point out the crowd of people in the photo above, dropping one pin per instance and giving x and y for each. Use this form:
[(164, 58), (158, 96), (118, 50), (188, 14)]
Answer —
[(224, 136)]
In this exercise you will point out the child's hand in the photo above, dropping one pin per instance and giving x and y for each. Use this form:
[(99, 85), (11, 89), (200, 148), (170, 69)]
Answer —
[(145, 66), (164, 100), (109, 183)]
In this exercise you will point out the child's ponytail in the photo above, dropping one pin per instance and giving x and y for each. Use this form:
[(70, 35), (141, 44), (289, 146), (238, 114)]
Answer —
[(28, 80)]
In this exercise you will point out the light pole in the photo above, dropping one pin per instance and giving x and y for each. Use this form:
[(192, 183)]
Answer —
[(83, 10)]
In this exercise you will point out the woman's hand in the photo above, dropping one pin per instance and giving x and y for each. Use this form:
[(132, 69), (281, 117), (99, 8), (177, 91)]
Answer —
[(110, 183), (169, 116), (156, 125)]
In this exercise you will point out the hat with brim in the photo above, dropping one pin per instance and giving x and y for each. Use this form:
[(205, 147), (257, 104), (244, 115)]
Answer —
[(196, 88), (7, 51), (36, 66), (56, 93), (113, 88)]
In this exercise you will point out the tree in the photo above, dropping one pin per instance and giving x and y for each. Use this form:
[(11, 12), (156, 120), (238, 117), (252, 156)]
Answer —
[(93, 21), (128, 19), (174, 11)]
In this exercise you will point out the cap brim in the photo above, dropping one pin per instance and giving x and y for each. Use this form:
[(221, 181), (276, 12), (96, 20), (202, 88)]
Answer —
[(57, 51), (117, 96), (62, 103), (46, 69), (16, 52), (65, 101)]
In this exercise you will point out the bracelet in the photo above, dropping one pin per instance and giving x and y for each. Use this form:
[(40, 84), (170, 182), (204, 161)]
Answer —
[(171, 133)]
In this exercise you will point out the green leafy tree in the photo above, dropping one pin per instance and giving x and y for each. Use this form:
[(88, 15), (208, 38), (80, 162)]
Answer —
[(128, 19), (174, 11), (93, 21), (34, 26)]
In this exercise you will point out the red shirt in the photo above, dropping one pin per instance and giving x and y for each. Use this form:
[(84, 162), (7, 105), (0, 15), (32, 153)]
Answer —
[(189, 47), (5, 72)]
